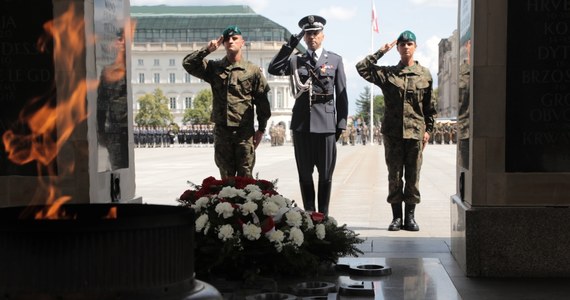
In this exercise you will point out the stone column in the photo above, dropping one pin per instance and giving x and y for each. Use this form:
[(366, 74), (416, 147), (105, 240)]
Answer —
[(511, 208), (65, 119)]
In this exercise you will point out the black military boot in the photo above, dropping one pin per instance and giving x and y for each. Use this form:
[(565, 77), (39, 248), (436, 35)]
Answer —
[(409, 223), (324, 196), (308, 195), (396, 224)]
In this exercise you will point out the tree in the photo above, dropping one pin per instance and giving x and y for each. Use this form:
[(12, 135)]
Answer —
[(201, 110), (154, 110), (363, 107)]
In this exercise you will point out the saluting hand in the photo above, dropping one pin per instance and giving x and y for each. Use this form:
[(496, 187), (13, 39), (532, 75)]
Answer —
[(213, 45), (388, 46)]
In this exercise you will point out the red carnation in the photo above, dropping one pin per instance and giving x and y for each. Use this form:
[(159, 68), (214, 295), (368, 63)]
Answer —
[(208, 181), (188, 195), (317, 217), (267, 225)]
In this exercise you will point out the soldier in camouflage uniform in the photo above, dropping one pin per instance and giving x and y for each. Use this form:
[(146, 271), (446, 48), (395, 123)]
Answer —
[(407, 124), (237, 86)]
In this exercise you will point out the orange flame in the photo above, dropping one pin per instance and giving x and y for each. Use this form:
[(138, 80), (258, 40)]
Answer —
[(112, 214), (44, 141), (52, 124)]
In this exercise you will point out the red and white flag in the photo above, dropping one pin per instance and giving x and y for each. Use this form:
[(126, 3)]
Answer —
[(374, 19)]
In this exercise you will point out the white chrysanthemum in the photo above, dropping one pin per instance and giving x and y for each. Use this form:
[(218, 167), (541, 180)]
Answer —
[(279, 200), (332, 221), (320, 231), (202, 202), (252, 188), (294, 218), (254, 195), (296, 236), (225, 232), (251, 231), (228, 192), (270, 208), (288, 202), (310, 224), (201, 222), (276, 236), (225, 209), (249, 207)]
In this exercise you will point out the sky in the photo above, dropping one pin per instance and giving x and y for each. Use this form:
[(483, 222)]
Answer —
[(348, 30)]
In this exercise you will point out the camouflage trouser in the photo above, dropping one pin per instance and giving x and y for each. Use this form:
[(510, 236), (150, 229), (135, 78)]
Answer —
[(404, 159), (234, 152)]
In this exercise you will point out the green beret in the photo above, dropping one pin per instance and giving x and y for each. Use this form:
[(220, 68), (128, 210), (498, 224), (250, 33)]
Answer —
[(231, 31), (407, 36)]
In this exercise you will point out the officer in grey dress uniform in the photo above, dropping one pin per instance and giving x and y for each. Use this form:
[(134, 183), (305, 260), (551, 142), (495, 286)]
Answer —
[(320, 110)]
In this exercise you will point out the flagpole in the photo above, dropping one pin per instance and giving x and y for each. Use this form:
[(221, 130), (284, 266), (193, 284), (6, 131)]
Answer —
[(371, 125)]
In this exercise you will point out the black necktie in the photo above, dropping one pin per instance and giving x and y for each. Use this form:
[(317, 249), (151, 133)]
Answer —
[(314, 59)]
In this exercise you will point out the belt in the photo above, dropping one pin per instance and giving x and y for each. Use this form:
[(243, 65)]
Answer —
[(321, 98)]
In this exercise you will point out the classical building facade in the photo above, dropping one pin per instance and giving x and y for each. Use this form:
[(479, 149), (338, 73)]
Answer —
[(164, 35)]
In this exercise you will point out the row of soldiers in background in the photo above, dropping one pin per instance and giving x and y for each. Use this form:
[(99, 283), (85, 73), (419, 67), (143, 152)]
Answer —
[(359, 134), (191, 135), (277, 134), (444, 133), (196, 135), (151, 136)]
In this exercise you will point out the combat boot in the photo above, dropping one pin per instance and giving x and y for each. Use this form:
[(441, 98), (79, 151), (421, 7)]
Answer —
[(308, 195), (410, 223), (396, 224)]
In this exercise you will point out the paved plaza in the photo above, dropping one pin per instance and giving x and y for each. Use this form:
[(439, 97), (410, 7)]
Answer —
[(359, 184)]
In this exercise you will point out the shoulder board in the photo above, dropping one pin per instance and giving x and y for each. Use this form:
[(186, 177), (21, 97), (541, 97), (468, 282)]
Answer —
[(332, 53)]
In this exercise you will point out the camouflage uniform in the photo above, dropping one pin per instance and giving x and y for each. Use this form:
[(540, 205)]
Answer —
[(410, 111), (236, 90)]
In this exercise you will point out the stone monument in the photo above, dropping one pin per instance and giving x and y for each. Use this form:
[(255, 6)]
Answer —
[(513, 191)]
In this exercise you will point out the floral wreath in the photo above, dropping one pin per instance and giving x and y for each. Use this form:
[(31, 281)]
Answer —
[(244, 226)]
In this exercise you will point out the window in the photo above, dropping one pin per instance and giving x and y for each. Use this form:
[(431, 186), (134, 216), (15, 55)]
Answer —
[(188, 102), (270, 98), (156, 62), (156, 77), (187, 78), (172, 62), (140, 62), (172, 78), (280, 103), (141, 77), (172, 102)]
